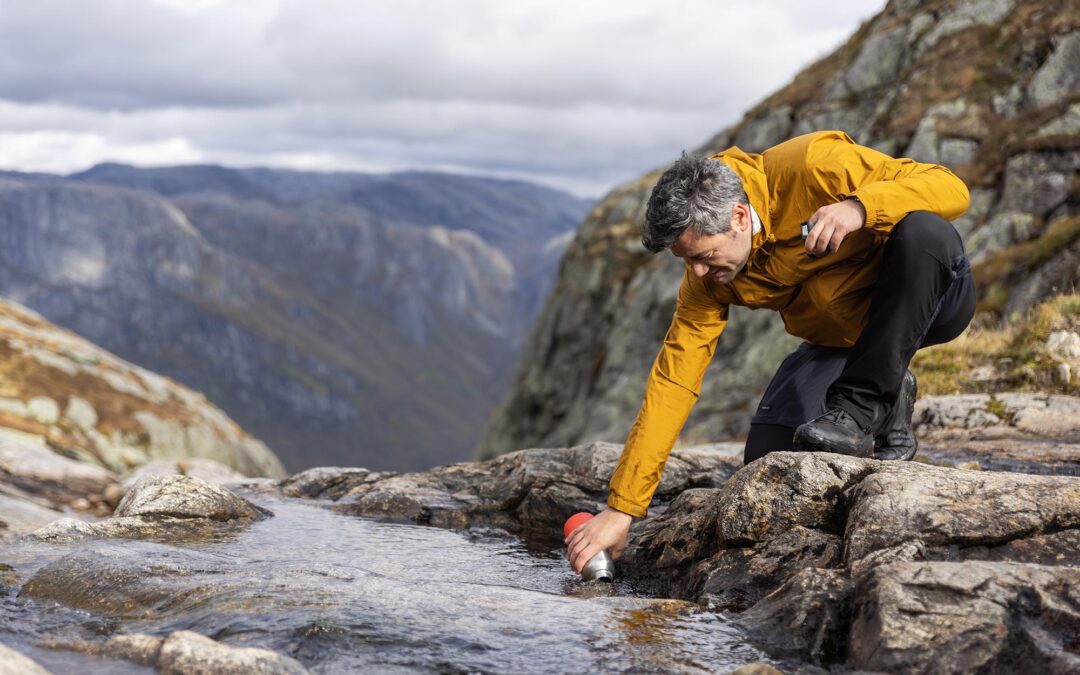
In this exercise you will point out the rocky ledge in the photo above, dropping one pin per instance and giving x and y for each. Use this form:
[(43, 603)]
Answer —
[(823, 559)]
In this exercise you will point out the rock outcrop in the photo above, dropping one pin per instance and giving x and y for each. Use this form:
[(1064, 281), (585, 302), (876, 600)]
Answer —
[(879, 565), (59, 391), (529, 491), (986, 87), (160, 507)]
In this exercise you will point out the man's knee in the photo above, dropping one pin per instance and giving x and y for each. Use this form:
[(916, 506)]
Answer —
[(926, 232)]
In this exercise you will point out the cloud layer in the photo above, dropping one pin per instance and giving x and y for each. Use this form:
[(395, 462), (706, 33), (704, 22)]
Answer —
[(577, 95)]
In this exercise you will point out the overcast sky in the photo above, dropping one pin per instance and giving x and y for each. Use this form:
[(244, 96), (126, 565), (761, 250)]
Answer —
[(577, 94)]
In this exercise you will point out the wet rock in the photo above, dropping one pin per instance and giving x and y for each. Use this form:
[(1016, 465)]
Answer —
[(188, 653), (125, 578), (328, 482), (731, 546), (18, 516), (163, 507), (790, 540), (966, 617), (14, 663), (186, 497), (529, 490)]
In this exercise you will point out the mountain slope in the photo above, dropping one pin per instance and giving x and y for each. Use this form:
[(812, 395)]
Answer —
[(990, 88)]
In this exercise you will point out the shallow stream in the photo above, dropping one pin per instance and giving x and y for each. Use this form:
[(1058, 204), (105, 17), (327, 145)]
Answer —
[(345, 594)]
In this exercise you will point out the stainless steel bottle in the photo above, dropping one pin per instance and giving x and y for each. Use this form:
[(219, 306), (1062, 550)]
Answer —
[(601, 567)]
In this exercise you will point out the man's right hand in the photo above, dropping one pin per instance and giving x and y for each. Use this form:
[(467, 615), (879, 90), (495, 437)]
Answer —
[(606, 530)]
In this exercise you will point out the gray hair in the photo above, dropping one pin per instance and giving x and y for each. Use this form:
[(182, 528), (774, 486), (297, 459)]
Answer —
[(695, 192)]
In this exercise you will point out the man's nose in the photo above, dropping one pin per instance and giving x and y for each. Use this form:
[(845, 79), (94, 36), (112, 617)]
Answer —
[(699, 269)]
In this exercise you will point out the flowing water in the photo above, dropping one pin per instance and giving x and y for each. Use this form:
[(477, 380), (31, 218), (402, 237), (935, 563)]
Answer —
[(345, 594)]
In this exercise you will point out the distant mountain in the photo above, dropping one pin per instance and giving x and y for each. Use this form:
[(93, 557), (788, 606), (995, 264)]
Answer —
[(340, 317)]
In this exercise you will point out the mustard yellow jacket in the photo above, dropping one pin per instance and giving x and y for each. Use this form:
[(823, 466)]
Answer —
[(823, 300)]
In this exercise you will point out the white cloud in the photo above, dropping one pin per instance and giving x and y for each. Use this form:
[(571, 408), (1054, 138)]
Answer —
[(579, 95)]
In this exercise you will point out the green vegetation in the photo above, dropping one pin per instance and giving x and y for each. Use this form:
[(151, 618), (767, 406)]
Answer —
[(987, 359)]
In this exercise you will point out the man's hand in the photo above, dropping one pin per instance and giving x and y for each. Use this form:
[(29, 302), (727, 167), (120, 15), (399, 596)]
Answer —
[(606, 530), (832, 223)]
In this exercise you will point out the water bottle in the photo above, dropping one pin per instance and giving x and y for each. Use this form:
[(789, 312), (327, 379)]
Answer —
[(601, 567)]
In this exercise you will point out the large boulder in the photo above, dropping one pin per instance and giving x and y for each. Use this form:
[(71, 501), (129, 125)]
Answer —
[(800, 543), (163, 508)]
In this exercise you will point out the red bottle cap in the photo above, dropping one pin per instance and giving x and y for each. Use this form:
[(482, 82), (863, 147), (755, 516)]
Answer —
[(573, 521)]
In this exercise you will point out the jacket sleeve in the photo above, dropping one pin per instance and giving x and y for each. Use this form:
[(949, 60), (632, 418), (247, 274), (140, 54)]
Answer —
[(670, 393), (889, 188)]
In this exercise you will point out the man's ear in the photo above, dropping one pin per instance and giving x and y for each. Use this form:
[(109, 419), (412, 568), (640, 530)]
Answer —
[(741, 213)]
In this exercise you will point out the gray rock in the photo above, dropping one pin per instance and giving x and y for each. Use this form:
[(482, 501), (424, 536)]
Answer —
[(1063, 345), (963, 15), (530, 491), (946, 509), (163, 508), (18, 516), (771, 128), (1059, 76), (878, 62), (1004, 229), (966, 617), (40, 470), (185, 497), (14, 663), (188, 653)]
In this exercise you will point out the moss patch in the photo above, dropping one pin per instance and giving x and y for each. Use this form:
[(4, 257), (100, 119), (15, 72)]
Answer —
[(988, 359)]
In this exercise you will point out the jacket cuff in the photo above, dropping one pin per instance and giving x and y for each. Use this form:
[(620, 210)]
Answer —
[(626, 506), (873, 213)]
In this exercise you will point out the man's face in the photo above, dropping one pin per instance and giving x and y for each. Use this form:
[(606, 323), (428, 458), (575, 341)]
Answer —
[(718, 256)]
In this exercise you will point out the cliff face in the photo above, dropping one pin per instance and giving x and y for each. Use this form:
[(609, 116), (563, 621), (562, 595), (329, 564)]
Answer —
[(990, 88), (342, 318), (60, 391)]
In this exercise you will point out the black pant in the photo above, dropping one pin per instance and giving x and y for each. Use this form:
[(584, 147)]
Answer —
[(925, 295)]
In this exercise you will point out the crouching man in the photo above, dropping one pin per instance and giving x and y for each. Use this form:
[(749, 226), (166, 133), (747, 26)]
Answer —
[(852, 247)]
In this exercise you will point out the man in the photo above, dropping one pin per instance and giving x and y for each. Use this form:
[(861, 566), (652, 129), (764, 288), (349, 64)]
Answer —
[(852, 247)]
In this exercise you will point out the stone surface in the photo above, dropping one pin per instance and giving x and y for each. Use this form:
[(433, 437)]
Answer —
[(188, 653), (18, 516), (14, 663), (967, 617), (114, 413), (799, 543), (163, 508), (531, 491), (43, 472), (1060, 74)]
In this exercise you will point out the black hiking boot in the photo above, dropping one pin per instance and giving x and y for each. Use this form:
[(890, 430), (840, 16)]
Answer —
[(898, 440), (834, 431)]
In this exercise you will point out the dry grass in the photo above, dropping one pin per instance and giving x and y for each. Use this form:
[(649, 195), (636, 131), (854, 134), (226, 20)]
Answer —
[(991, 358)]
